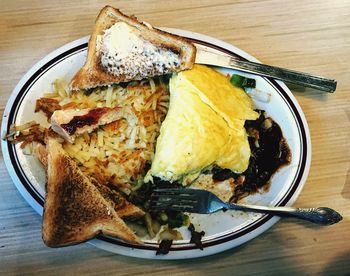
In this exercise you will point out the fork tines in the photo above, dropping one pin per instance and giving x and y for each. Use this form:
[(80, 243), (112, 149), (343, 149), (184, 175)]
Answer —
[(173, 199)]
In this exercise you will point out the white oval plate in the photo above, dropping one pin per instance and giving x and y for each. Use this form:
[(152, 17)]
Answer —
[(224, 230)]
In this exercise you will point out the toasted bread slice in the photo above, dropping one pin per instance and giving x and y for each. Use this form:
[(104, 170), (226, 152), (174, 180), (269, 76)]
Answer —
[(41, 153), (122, 49), (123, 207), (74, 210), (70, 123)]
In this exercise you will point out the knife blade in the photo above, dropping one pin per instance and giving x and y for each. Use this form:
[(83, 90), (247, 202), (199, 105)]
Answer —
[(204, 56)]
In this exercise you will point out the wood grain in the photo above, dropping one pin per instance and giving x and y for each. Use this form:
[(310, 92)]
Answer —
[(311, 36)]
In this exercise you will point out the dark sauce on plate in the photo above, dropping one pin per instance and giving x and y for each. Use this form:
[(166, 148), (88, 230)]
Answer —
[(269, 152)]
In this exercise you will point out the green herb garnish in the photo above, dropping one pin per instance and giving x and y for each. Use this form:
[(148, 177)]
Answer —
[(242, 82), (177, 219)]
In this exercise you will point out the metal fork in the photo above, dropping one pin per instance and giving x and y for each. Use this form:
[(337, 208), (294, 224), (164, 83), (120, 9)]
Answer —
[(204, 202)]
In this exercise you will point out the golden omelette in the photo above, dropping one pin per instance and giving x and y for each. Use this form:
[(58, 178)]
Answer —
[(204, 126)]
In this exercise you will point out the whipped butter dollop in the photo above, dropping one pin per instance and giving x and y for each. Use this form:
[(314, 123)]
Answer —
[(120, 41), (124, 51)]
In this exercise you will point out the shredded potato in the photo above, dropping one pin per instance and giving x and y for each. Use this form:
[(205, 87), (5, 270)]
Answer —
[(117, 152), (26, 134), (60, 88), (26, 126)]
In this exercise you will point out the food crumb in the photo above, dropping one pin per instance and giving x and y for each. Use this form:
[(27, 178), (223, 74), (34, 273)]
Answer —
[(196, 237), (164, 247)]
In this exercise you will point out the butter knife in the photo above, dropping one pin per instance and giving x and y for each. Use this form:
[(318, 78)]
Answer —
[(207, 57)]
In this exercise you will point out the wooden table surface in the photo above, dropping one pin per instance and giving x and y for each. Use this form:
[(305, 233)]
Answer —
[(311, 36)]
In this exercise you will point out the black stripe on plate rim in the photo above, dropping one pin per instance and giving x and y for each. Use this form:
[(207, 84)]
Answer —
[(13, 114), (151, 246)]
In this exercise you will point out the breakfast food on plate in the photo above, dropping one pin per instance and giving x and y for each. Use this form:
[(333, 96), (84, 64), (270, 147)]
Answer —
[(74, 209), (113, 156), (126, 126), (122, 49), (124, 208), (40, 152), (74, 122), (204, 126), (118, 153)]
